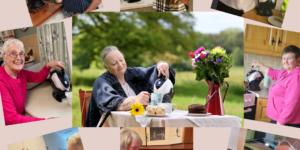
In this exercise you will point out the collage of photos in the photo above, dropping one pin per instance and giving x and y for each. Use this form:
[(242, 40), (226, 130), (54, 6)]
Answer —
[(157, 74)]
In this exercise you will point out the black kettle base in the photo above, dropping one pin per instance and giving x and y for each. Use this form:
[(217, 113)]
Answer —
[(58, 97)]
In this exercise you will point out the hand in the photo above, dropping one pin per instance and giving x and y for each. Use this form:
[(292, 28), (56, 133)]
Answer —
[(56, 64), (142, 98), (163, 68), (255, 65)]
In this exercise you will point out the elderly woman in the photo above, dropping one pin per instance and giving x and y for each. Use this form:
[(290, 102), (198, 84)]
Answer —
[(129, 140), (119, 86), (75, 7), (284, 96), (170, 5), (74, 142), (13, 81)]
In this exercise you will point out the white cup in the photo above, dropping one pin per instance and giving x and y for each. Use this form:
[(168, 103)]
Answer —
[(69, 97), (168, 106)]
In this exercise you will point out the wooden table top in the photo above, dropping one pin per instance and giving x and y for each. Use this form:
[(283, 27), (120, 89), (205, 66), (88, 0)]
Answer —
[(175, 146), (45, 14), (264, 19), (41, 104)]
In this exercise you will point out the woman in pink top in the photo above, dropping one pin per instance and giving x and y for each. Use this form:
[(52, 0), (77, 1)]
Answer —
[(13, 81), (283, 105)]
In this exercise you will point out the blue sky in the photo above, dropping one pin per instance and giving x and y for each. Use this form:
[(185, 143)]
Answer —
[(214, 22)]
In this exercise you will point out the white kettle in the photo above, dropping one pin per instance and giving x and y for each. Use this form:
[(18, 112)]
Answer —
[(164, 86)]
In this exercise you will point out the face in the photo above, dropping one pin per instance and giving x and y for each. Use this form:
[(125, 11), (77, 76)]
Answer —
[(115, 63), (134, 145), (289, 62), (283, 147), (15, 63)]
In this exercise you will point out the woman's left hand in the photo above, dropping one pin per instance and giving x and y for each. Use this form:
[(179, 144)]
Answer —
[(163, 68), (56, 64), (186, 2)]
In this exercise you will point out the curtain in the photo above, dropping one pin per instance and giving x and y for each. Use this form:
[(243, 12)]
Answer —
[(53, 45)]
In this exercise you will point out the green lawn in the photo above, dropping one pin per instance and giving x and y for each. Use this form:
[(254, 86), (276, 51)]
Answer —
[(187, 91)]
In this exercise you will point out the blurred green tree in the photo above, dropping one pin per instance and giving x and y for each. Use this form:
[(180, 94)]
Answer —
[(138, 35)]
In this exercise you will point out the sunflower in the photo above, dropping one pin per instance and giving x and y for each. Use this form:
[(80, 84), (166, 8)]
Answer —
[(137, 109)]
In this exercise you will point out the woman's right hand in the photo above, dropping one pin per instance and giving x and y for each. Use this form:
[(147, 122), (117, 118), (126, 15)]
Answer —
[(255, 65), (142, 98)]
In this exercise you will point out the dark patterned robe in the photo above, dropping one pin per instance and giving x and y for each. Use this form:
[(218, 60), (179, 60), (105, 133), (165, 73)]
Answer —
[(108, 92)]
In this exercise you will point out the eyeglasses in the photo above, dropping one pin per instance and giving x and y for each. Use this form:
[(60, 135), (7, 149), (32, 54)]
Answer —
[(14, 55)]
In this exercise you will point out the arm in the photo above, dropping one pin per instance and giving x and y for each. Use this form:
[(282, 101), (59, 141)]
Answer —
[(291, 101), (262, 66), (106, 96), (37, 76), (9, 109), (125, 105), (142, 98), (93, 5)]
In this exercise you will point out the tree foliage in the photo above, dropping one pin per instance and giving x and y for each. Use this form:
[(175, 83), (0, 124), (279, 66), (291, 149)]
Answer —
[(144, 38)]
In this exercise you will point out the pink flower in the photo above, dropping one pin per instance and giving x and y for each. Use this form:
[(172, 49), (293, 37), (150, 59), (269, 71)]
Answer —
[(218, 47), (193, 64), (199, 50), (202, 55), (191, 54)]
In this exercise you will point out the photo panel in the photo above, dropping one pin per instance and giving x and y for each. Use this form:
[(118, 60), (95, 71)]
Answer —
[(156, 5), (271, 12), (49, 11), (36, 74), (156, 138), (263, 140), (271, 64), (192, 60), (67, 139)]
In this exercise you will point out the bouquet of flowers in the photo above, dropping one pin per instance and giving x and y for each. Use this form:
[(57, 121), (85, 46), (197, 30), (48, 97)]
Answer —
[(212, 65)]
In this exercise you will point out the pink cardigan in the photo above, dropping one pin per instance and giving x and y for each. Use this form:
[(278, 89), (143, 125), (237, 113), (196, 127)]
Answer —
[(284, 97), (13, 94)]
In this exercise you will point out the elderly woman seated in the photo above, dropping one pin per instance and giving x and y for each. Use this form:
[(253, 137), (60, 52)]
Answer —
[(129, 140), (13, 81), (74, 142), (120, 86)]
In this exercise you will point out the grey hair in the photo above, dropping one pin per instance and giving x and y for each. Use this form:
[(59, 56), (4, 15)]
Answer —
[(284, 142), (128, 135), (107, 50), (8, 43), (75, 142)]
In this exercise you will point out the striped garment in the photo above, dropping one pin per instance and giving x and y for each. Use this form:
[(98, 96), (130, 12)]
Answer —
[(168, 5), (72, 7)]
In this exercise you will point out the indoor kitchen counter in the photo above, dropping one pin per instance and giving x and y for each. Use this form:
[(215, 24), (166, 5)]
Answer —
[(141, 4), (263, 93), (41, 104)]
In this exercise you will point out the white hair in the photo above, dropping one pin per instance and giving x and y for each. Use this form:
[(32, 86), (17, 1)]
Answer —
[(127, 136), (75, 142), (8, 43), (107, 50)]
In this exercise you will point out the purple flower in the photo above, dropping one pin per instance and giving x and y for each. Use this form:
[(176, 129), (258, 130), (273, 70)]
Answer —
[(197, 59), (219, 60), (221, 57), (207, 54), (213, 62)]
